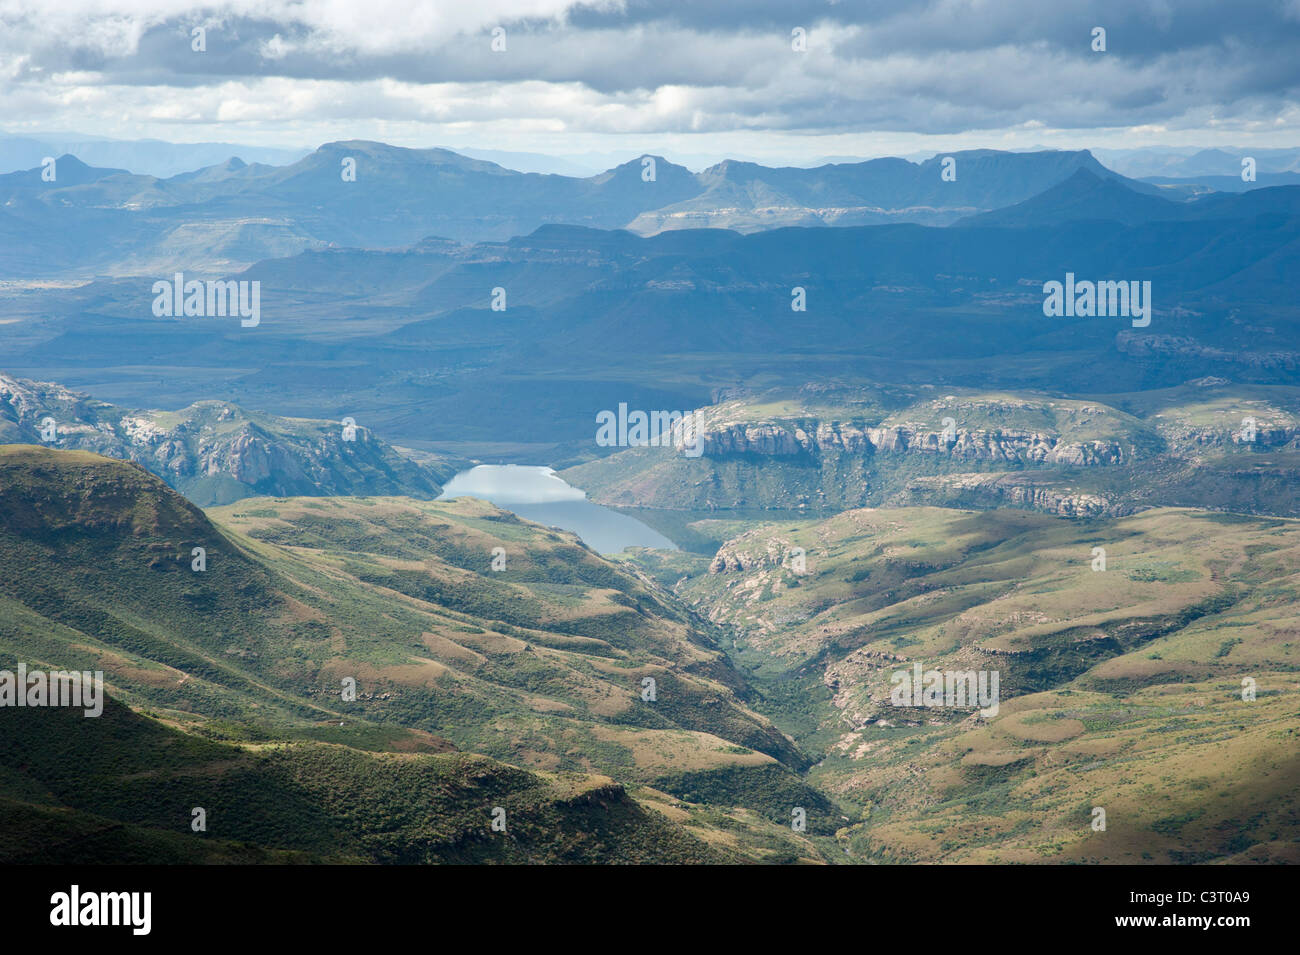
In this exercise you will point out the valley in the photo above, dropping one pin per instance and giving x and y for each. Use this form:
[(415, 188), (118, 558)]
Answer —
[(768, 659), (542, 664), (380, 573), (1122, 689)]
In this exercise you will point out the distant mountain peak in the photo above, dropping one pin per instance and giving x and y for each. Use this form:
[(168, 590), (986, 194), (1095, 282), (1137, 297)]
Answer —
[(1083, 195)]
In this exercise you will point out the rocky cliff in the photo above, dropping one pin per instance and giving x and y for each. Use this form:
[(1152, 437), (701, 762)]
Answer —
[(828, 446), (1001, 445), (215, 452)]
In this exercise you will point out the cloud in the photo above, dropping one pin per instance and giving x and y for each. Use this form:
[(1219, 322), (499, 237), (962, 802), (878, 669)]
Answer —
[(933, 68)]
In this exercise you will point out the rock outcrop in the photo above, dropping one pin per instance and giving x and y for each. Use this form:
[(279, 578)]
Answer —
[(215, 451), (993, 446)]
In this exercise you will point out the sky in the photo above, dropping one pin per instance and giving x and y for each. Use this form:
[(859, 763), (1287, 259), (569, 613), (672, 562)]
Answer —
[(879, 77)]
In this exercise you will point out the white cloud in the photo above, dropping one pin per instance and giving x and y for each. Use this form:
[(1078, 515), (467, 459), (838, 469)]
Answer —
[(601, 73)]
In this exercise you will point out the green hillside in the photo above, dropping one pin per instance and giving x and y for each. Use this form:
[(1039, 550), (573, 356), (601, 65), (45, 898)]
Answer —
[(540, 665), (772, 660), (124, 788), (1119, 688)]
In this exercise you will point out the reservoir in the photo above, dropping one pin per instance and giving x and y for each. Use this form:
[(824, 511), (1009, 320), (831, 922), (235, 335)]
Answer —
[(538, 494)]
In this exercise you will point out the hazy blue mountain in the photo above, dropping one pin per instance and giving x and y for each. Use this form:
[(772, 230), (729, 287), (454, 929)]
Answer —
[(406, 340), (152, 157), (231, 214), (535, 162), (1194, 162), (1263, 180), (1085, 196), (69, 172), (747, 196)]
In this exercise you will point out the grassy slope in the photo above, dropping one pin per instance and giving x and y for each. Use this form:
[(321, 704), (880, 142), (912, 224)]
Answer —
[(122, 788), (1120, 689), (540, 665)]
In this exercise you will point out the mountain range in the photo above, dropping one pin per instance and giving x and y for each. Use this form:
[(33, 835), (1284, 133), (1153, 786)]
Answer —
[(905, 459), (73, 218), (150, 157), (408, 340)]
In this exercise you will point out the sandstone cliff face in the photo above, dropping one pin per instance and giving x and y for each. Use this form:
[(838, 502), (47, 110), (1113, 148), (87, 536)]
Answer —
[(1000, 446), (245, 454), (1266, 436), (1165, 347), (776, 552), (832, 446), (1003, 490)]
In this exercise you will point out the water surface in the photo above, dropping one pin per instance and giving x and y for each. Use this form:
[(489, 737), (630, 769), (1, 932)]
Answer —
[(538, 494)]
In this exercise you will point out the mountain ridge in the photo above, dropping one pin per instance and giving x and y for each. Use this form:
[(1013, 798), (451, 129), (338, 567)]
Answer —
[(342, 194)]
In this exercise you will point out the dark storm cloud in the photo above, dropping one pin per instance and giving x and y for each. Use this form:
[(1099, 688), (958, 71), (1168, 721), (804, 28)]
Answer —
[(934, 67)]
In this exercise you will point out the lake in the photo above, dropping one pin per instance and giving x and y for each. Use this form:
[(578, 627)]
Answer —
[(538, 494)]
